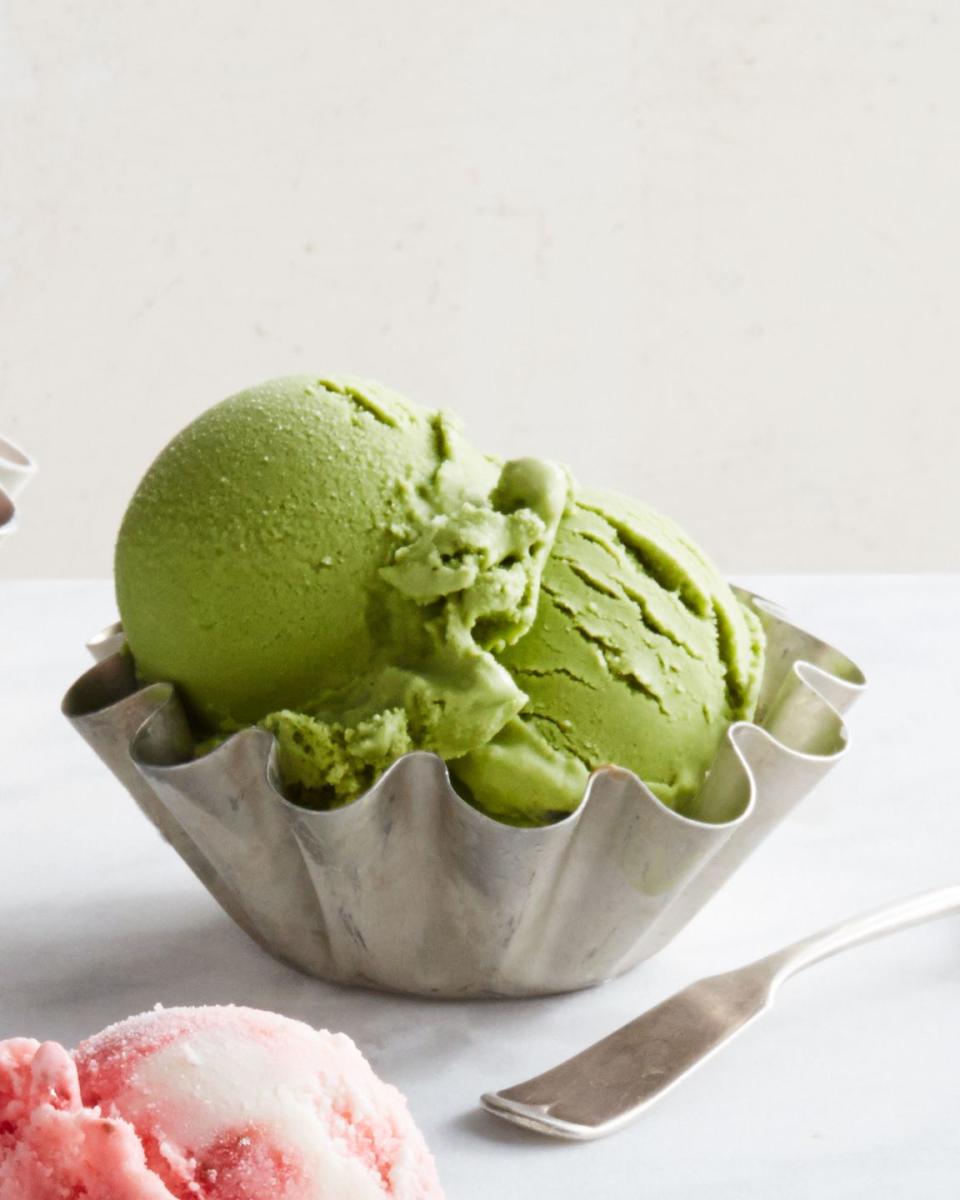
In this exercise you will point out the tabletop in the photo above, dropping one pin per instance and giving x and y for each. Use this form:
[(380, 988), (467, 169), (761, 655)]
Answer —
[(849, 1087)]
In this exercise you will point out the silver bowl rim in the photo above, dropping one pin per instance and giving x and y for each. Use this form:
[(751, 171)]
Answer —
[(109, 641)]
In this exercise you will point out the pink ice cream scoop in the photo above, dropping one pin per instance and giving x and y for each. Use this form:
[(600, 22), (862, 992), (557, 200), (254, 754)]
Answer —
[(205, 1104)]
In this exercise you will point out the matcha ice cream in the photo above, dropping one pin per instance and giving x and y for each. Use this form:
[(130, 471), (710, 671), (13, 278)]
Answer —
[(338, 565), (640, 656), (330, 561)]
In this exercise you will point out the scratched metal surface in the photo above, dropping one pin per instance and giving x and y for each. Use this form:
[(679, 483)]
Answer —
[(411, 889)]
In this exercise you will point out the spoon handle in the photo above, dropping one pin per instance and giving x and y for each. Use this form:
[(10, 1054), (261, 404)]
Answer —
[(863, 928)]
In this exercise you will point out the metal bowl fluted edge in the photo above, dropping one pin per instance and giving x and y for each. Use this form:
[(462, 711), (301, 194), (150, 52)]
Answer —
[(411, 889), (8, 514), (16, 471)]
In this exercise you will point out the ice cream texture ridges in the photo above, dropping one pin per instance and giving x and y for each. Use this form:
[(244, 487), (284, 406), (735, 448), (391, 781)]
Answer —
[(221, 1102), (329, 560), (640, 656)]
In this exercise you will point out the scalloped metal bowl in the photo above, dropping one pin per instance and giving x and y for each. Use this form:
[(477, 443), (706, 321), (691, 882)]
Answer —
[(411, 889), (16, 470)]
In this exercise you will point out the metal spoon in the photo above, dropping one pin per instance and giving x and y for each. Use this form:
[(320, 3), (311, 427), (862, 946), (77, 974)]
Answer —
[(601, 1089)]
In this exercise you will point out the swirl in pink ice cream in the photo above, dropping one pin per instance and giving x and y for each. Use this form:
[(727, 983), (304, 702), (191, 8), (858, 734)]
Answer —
[(205, 1104)]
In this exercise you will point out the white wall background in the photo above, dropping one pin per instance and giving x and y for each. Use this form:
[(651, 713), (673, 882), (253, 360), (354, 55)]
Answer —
[(703, 251)]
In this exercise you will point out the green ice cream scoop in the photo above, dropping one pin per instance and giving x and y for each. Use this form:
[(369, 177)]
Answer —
[(640, 656), (326, 559), (331, 561)]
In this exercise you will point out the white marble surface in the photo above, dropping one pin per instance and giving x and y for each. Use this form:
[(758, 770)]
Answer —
[(849, 1088)]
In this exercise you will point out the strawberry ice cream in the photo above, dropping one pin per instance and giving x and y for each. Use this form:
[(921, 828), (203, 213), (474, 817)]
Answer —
[(205, 1104)]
